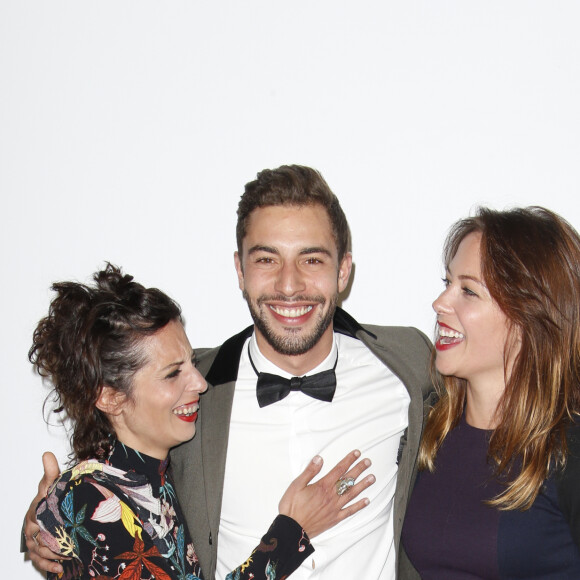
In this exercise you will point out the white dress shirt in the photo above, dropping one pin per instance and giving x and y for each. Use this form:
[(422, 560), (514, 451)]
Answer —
[(269, 447)]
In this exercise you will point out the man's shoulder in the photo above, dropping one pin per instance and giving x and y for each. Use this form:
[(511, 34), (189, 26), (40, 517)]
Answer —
[(397, 337), (405, 350)]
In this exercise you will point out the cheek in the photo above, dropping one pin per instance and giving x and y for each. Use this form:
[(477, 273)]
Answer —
[(254, 280), (326, 284)]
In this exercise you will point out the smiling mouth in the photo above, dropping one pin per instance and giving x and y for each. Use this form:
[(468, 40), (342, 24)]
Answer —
[(187, 412), (448, 337), (291, 312)]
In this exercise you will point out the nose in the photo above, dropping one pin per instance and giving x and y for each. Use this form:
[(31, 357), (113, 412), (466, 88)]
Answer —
[(289, 280), (441, 304), (197, 383)]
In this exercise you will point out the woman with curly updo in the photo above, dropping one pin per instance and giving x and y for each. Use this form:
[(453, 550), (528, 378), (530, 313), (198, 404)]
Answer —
[(498, 494), (124, 373)]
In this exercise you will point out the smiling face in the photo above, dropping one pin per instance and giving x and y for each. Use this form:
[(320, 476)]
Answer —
[(473, 331), (290, 277), (162, 407)]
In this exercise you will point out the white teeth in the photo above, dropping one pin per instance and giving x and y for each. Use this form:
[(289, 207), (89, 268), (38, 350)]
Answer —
[(448, 333), (185, 410), (291, 312)]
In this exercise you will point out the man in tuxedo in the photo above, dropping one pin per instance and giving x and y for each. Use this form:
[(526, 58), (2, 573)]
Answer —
[(367, 387)]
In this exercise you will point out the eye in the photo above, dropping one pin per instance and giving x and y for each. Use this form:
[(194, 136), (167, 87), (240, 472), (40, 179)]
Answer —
[(467, 291), (314, 261), (445, 281), (193, 361), (173, 374)]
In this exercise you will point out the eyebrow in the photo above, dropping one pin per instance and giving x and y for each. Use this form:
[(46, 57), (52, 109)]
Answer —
[(315, 250), (304, 251), (472, 278), (259, 248), (178, 363), (467, 277)]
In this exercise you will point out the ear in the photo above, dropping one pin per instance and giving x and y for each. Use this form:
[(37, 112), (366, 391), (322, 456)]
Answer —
[(111, 401), (344, 271), (239, 270)]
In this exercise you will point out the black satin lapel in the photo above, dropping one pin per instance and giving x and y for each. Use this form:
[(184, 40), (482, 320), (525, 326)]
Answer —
[(344, 323), (224, 368)]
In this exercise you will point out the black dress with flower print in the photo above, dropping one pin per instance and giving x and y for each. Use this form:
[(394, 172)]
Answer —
[(120, 519)]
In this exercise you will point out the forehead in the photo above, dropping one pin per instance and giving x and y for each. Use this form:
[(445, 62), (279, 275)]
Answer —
[(290, 225), (468, 256), (166, 345)]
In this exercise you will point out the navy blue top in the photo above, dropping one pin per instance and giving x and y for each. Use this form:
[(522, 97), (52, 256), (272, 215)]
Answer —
[(450, 533)]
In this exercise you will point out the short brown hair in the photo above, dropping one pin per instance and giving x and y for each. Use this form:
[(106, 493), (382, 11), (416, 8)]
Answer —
[(293, 185)]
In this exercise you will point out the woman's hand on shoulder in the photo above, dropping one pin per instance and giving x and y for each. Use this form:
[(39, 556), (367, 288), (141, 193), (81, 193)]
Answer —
[(41, 556), (318, 506)]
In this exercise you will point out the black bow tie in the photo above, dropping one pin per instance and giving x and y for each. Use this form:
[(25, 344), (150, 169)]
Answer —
[(273, 388)]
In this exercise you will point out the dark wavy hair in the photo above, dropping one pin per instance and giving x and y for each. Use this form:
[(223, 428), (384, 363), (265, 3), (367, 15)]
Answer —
[(530, 262), (91, 338), (293, 185)]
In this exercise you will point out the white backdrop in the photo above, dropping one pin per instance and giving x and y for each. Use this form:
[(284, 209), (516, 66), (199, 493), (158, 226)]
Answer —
[(128, 129)]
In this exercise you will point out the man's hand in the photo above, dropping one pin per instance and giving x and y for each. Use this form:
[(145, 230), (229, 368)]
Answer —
[(318, 506), (42, 557)]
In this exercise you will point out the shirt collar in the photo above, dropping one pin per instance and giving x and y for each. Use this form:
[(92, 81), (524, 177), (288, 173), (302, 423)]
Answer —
[(264, 365), (128, 459)]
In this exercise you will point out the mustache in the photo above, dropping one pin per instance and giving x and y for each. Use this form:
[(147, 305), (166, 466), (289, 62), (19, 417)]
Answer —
[(289, 299)]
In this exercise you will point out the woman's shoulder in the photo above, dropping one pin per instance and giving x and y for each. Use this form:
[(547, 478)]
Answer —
[(573, 433), (568, 482), (568, 478), (573, 451)]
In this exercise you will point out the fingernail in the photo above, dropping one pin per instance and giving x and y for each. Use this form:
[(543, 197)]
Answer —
[(317, 459)]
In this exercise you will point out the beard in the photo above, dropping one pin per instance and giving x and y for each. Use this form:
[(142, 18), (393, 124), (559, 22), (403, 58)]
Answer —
[(293, 342)]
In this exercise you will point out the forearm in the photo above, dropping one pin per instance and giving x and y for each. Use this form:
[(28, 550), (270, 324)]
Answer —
[(281, 551)]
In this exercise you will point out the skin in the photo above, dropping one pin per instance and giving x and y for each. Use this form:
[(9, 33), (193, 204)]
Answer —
[(289, 260), (478, 353), (168, 382)]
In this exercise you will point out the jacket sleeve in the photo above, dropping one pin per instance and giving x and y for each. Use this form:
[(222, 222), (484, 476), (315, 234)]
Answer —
[(100, 533), (281, 551)]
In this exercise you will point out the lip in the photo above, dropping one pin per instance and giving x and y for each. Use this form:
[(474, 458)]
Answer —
[(190, 418), (446, 343)]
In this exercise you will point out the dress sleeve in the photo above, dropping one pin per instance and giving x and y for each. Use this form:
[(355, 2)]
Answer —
[(569, 484), (99, 531), (282, 549)]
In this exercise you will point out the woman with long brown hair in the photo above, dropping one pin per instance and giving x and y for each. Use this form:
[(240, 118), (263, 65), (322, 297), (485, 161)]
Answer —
[(498, 493)]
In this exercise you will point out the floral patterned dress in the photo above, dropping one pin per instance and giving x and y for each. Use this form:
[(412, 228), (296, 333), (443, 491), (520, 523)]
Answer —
[(120, 519)]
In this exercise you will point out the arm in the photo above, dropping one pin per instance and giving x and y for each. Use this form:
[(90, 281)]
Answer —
[(107, 534), (306, 510), (40, 555)]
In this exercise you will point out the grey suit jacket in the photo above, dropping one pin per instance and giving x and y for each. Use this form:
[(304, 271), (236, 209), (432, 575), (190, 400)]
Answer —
[(198, 466)]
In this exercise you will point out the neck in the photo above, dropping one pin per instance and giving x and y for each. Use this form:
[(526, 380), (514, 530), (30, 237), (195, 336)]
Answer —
[(299, 364), (481, 405)]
